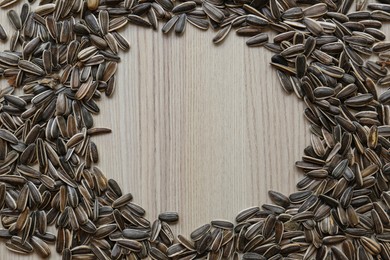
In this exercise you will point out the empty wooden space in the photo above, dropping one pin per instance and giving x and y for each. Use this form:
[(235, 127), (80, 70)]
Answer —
[(200, 129)]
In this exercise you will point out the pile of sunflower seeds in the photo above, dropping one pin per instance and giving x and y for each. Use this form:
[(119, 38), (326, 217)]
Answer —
[(63, 56)]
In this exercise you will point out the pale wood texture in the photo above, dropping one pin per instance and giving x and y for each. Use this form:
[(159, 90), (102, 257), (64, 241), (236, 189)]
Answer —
[(200, 129)]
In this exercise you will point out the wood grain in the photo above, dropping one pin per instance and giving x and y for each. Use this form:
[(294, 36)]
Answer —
[(200, 129)]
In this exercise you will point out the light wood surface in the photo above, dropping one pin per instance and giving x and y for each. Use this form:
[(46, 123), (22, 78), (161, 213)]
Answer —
[(200, 129)]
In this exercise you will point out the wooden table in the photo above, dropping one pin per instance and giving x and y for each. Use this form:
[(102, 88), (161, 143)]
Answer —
[(200, 129)]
